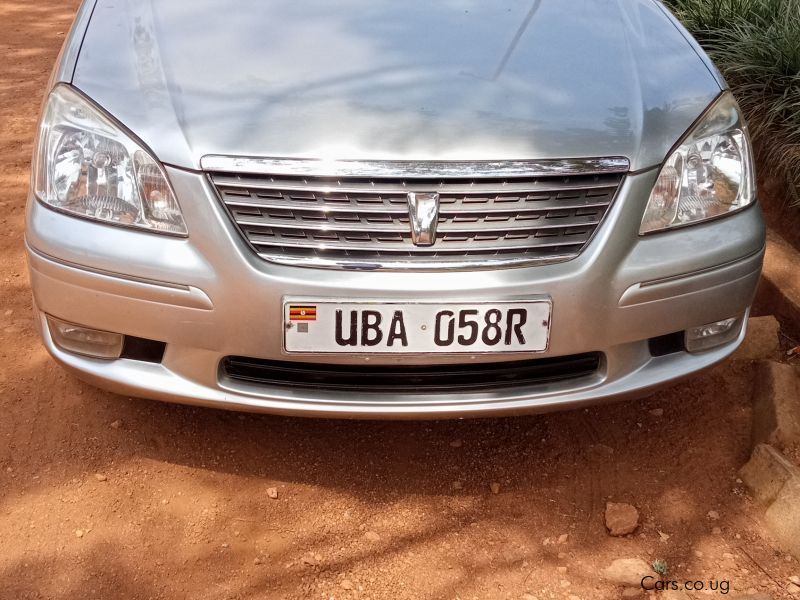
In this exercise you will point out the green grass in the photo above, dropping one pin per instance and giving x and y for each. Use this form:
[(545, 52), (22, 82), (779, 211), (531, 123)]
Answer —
[(756, 45)]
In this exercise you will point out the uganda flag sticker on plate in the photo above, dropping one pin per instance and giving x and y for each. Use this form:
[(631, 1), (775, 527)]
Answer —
[(302, 313)]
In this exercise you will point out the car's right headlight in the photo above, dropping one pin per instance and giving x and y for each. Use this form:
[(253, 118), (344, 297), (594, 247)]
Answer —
[(87, 166), (710, 174)]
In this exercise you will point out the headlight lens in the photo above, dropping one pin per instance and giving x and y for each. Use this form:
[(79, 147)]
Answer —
[(709, 175), (86, 166)]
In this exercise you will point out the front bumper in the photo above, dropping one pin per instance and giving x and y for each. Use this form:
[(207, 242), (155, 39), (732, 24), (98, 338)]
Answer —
[(208, 297)]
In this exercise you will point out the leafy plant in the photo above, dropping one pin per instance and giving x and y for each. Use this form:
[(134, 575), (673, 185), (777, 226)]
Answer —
[(756, 45), (660, 566)]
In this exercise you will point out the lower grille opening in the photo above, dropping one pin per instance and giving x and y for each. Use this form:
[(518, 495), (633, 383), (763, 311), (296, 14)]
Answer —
[(413, 379)]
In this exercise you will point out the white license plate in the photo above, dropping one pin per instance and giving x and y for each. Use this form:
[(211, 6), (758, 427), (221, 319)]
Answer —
[(324, 327)]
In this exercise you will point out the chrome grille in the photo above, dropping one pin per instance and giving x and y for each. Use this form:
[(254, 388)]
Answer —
[(363, 222)]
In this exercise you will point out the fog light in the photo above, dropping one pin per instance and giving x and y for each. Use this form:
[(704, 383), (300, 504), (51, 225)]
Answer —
[(82, 340), (706, 337)]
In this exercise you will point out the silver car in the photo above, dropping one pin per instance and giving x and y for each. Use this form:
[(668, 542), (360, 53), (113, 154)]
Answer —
[(368, 208)]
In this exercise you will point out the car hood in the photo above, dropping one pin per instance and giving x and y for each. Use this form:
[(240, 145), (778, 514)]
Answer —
[(381, 79)]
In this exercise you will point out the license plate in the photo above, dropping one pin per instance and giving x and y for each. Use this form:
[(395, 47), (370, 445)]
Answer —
[(324, 327)]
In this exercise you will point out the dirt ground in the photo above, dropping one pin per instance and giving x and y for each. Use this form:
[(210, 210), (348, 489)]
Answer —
[(104, 496)]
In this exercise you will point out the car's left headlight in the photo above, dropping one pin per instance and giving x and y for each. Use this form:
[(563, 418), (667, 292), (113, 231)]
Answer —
[(710, 173), (88, 166)]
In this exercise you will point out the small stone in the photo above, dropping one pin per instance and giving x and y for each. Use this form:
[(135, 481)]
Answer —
[(727, 556), (657, 412), (795, 579), (78, 533), (565, 584), (495, 487), (116, 424), (165, 502), (628, 572), (698, 554), (793, 589), (562, 539), (311, 560), (767, 472), (562, 555), (346, 584), (256, 561), (100, 477), (713, 515), (456, 444), (8, 313), (458, 485), (601, 450), (716, 531), (371, 536), (561, 569), (621, 519), (272, 493)]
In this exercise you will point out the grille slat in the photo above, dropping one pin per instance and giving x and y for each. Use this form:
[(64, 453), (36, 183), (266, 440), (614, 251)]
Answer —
[(401, 226), (334, 222), (482, 242), (447, 205)]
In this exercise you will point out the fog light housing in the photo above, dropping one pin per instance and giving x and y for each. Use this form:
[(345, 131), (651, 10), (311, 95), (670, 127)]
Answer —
[(713, 335), (82, 340)]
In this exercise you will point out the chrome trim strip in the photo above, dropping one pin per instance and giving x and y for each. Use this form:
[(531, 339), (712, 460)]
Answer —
[(689, 275), (105, 273), (669, 288), (399, 264), (413, 169), (402, 247), (446, 209), (441, 226), (119, 285)]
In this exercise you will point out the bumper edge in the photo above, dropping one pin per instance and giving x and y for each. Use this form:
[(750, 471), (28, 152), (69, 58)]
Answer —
[(158, 382)]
